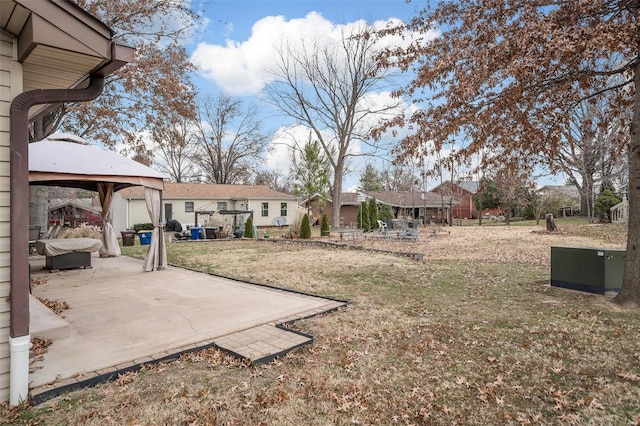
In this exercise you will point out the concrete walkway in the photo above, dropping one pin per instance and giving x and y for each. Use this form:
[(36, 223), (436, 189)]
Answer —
[(120, 316)]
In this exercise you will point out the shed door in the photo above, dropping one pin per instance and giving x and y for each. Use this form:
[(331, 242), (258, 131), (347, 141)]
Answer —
[(168, 211)]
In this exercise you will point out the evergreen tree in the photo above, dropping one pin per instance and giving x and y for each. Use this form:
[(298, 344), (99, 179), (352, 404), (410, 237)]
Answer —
[(604, 202), (310, 169), (324, 227), (363, 217), (373, 213), (370, 179), (385, 213), (248, 228), (305, 228)]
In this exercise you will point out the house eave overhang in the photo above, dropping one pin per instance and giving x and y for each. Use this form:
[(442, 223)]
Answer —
[(59, 45)]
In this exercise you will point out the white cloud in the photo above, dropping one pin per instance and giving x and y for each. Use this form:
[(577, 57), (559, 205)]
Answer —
[(242, 67)]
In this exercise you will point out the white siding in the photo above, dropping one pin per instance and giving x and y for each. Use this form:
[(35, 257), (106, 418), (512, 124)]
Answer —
[(10, 85), (137, 211), (274, 211)]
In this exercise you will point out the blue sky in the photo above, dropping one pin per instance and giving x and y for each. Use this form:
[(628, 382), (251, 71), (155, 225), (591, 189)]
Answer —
[(234, 48)]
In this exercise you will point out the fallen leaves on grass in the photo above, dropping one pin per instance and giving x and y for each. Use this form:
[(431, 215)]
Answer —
[(214, 357), (125, 378), (630, 377)]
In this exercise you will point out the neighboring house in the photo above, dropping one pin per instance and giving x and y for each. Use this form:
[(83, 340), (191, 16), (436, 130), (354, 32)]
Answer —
[(45, 46), (566, 197), (424, 206), (461, 194), (184, 201), (73, 212), (620, 212)]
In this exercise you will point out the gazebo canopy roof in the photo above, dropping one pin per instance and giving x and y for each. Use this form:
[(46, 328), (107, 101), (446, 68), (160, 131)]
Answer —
[(67, 160)]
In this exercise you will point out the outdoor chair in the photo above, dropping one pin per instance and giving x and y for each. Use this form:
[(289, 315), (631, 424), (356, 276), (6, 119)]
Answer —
[(382, 229), (54, 234)]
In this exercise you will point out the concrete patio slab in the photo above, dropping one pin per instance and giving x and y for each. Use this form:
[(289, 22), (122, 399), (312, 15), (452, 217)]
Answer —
[(120, 316)]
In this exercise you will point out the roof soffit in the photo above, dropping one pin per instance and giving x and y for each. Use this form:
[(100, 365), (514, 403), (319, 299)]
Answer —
[(59, 44)]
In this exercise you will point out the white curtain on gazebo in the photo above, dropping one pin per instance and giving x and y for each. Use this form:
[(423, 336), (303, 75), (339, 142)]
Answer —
[(110, 246), (157, 255)]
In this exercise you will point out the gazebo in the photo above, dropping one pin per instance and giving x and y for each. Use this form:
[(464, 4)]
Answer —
[(70, 161)]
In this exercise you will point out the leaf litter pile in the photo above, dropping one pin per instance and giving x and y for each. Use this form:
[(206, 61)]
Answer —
[(470, 335)]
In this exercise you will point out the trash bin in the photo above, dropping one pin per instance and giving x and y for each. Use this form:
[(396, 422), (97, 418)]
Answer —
[(128, 238), (210, 233), (195, 233), (145, 238)]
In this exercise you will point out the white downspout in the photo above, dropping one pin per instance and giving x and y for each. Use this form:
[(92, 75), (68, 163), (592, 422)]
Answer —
[(129, 213), (19, 364)]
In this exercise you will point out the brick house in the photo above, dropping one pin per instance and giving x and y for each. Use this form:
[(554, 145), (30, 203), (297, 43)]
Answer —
[(461, 194)]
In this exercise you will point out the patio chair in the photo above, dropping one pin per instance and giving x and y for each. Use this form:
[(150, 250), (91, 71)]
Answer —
[(382, 229), (45, 235), (34, 234), (55, 232)]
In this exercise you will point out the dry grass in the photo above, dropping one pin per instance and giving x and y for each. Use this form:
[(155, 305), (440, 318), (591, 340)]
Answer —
[(471, 335)]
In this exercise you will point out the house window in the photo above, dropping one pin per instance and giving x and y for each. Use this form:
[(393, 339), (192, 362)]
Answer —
[(222, 205), (265, 209), (283, 209), (188, 206)]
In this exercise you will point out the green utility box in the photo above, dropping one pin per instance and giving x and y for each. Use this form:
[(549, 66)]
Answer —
[(587, 269)]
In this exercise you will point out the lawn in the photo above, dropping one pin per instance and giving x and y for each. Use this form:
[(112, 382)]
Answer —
[(470, 335)]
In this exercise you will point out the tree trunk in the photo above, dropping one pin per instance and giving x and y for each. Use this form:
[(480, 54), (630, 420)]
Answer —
[(336, 195), (551, 223), (629, 295), (38, 206)]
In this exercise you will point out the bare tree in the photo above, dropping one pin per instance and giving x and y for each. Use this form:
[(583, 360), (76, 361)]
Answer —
[(230, 141), (325, 89), (399, 178), (593, 149), (174, 148), (275, 180)]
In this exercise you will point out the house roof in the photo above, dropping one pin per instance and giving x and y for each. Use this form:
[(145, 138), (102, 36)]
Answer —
[(204, 191), (566, 190), (80, 203), (407, 198), (395, 199), (466, 185)]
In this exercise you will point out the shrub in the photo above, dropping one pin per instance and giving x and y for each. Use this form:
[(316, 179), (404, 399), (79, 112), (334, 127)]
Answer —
[(324, 227), (305, 228), (248, 228), (143, 227)]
